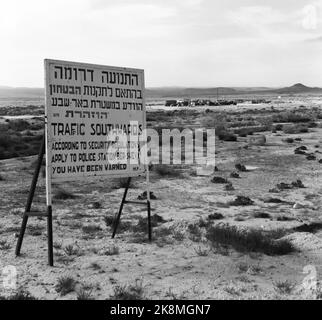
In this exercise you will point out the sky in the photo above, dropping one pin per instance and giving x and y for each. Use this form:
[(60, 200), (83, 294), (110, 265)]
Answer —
[(188, 43)]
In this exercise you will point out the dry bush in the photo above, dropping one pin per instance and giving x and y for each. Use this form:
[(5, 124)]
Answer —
[(252, 240), (65, 285), (295, 129), (164, 170), (129, 292), (62, 194)]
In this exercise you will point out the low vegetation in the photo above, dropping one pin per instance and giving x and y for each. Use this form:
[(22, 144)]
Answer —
[(65, 285), (129, 292), (20, 138), (62, 194), (20, 294), (284, 287), (253, 240)]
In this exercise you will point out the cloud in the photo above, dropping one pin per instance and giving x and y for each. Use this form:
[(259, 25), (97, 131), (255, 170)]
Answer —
[(177, 42)]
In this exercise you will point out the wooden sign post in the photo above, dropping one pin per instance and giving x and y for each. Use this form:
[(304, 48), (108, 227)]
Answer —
[(95, 121)]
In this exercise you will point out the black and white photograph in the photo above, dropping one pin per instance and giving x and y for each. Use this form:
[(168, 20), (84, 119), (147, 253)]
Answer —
[(160, 151)]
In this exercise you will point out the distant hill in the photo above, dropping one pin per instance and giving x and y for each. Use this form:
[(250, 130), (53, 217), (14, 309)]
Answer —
[(173, 92), (299, 88), (11, 92), (177, 92)]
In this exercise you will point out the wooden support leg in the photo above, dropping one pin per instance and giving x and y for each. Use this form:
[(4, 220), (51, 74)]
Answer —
[(21, 234), (149, 220), (117, 220), (50, 236), (30, 196)]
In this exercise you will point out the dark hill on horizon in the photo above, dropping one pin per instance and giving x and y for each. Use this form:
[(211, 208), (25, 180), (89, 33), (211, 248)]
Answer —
[(171, 92), (177, 92)]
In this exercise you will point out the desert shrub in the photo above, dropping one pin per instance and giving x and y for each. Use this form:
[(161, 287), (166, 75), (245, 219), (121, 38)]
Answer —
[(5, 141), (226, 136), (109, 221), (95, 205), (122, 226), (195, 232), (278, 127), (57, 245), (65, 285), (263, 215), (35, 230), (121, 183), (295, 129), (215, 216), (284, 287), (203, 252), (96, 266), (166, 170), (178, 235), (252, 130), (19, 125), (70, 250), (142, 224), (162, 232), (20, 294), (252, 240), (14, 144), (62, 194), (4, 245), (284, 218), (84, 294), (289, 116), (91, 228), (112, 251), (311, 227), (129, 292), (37, 126)]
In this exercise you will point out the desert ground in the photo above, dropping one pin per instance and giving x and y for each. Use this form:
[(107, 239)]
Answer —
[(251, 229)]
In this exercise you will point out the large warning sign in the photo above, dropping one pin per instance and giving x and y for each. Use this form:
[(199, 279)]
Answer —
[(95, 116)]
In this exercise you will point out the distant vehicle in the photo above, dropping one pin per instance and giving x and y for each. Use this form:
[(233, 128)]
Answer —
[(171, 103), (257, 101)]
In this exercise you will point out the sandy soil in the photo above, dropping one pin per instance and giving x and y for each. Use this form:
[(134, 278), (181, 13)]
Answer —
[(171, 267)]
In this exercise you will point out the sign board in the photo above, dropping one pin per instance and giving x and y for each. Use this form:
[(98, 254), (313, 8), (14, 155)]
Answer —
[(87, 107)]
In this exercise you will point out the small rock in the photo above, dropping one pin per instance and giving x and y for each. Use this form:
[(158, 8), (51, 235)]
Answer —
[(311, 157), (143, 196), (320, 161), (219, 180), (229, 187), (299, 151), (289, 140), (298, 184), (298, 206), (242, 201), (240, 167), (284, 186), (234, 175), (274, 200), (215, 216), (95, 205)]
